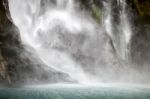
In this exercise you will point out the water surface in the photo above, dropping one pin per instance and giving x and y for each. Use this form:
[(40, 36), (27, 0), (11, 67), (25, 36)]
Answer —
[(74, 92)]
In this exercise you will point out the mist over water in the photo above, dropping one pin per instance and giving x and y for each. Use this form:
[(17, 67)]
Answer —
[(67, 38)]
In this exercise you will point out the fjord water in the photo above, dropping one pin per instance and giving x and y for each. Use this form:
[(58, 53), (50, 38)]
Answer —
[(74, 92)]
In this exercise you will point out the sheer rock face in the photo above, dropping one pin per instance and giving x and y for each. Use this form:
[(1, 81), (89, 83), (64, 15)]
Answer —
[(142, 6), (141, 38), (4, 76), (16, 66)]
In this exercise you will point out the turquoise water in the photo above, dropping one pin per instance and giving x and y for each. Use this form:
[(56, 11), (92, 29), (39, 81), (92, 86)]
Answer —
[(74, 92)]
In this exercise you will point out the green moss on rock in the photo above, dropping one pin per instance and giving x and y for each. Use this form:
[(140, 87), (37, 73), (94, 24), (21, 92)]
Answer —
[(96, 13), (93, 7)]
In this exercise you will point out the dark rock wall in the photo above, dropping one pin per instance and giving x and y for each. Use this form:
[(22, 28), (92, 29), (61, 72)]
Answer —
[(140, 43), (4, 36)]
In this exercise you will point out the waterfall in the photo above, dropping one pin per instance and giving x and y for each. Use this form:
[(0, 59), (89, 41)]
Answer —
[(70, 41), (121, 35), (43, 31), (126, 31)]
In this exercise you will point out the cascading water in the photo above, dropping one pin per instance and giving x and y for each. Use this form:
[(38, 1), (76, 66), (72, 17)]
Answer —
[(43, 31), (69, 40), (126, 31), (121, 38)]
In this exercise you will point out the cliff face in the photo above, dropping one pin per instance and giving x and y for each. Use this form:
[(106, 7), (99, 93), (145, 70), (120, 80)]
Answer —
[(141, 39), (142, 6), (3, 70), (4, 23)]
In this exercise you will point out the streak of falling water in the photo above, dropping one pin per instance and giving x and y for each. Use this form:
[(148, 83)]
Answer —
[(107, 20), (125, 32)]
